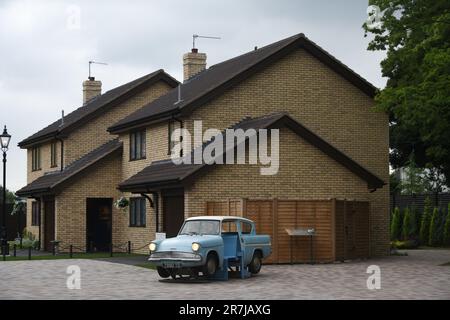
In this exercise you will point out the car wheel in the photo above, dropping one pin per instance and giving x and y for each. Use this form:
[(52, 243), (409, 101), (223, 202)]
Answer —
[(210, 266), (163, 273), (256, 263)]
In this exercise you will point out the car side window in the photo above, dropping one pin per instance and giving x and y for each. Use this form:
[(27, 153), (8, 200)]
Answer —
[(246, 228), (229, 226)]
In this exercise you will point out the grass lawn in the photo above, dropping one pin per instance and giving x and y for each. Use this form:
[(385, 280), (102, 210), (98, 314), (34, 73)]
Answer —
[(145, 265), (99, 255)]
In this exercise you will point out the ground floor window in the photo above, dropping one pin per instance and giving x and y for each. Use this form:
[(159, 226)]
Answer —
[(137, 212), (35, 213)]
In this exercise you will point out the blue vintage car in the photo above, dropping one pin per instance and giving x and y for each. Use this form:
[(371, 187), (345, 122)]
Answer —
[(211, 245)]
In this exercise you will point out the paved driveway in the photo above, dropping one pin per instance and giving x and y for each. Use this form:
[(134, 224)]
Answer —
[(417, 276)]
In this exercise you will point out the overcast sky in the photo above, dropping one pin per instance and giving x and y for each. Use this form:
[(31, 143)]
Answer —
[(45, 47)]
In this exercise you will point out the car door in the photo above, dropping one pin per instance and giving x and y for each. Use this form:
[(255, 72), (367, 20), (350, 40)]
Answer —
[(245, 230)]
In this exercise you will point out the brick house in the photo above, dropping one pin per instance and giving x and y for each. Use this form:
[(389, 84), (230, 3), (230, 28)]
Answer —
[(333, 157)]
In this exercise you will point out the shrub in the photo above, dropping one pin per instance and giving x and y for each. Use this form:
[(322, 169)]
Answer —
[(446, 236), (417, 220), (408, 244), (409, 225), (396, 224), (424, 233), (434, 228)]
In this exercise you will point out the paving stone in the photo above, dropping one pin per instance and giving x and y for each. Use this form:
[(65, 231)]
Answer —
[(416, 276)]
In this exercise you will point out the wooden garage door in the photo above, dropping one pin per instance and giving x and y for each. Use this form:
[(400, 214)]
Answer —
[(273, 217), (304, 214), (349, 237), (262, 213), (224, 208)]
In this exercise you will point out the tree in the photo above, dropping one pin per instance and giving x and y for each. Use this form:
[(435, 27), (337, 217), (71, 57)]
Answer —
[(446, 240), (409, 229), (425, 223), (406, 224), (434, 229), (10, 197), (396, 225), (414, 182), (394, 183), (417, 219), (416, 37)]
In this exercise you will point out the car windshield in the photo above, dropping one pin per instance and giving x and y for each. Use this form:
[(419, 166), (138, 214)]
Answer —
[(201, 227)]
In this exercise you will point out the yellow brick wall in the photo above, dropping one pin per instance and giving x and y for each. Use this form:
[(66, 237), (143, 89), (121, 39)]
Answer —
[(156, 149), (45, 161), (326, 103), (93, 134), (33, 175), (88, 137), (305, 173), (99, 181)]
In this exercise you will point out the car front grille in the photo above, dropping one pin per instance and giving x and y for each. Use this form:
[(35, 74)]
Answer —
[(173, 255)]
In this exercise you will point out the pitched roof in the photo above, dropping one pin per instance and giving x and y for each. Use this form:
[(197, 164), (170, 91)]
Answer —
[(163, 173), (214, 80), (97, 105), (49, 181)]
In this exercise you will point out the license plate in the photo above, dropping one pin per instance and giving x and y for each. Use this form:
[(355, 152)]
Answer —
[(172, 265)]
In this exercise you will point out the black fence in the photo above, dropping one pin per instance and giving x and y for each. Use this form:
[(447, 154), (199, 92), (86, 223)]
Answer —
[(14, 223), (439, 200), (70, 250)]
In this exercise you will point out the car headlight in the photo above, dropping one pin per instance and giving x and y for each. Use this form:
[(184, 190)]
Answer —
[(195, 246), (152, 246)]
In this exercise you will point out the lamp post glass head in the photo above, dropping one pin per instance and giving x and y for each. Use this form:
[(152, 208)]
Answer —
[(4, 140)]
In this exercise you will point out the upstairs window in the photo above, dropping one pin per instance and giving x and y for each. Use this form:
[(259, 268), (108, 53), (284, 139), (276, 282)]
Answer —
[(36, 159), (53, 160), (137, 212), (137, 145), (35, 213)]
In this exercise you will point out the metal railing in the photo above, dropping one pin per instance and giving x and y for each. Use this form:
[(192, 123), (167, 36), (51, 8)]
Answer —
[(58, 249)]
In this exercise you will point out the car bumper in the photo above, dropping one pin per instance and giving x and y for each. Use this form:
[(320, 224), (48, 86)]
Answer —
[(174, 259)]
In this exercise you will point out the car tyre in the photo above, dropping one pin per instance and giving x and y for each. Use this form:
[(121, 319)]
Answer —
[(163, 273), (210, 266), (256, 263)]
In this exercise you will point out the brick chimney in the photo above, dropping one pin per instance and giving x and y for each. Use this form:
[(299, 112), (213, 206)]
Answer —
[(91, 89), (193, 63)]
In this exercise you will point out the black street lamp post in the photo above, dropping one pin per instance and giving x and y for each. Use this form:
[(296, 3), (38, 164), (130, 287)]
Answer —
[(4, 140)]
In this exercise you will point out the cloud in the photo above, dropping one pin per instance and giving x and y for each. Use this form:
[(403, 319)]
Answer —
[(46, 47)]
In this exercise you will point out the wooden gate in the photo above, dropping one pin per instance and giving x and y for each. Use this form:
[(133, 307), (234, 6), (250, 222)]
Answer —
[(352, 229)]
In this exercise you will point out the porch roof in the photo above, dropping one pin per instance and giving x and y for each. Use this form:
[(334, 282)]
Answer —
[(165, 173), (51, 180)]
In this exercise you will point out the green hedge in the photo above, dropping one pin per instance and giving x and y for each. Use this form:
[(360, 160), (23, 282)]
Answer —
[(410, 228), (396, 224), (446, 233), (424, 234)]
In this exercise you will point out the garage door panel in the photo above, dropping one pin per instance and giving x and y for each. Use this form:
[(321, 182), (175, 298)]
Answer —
[(273, 217)]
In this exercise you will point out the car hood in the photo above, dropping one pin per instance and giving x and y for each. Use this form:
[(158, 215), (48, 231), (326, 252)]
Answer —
[(184, 242)]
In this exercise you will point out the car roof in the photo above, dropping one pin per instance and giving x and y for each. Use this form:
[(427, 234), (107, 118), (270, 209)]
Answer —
[(219, 218)]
